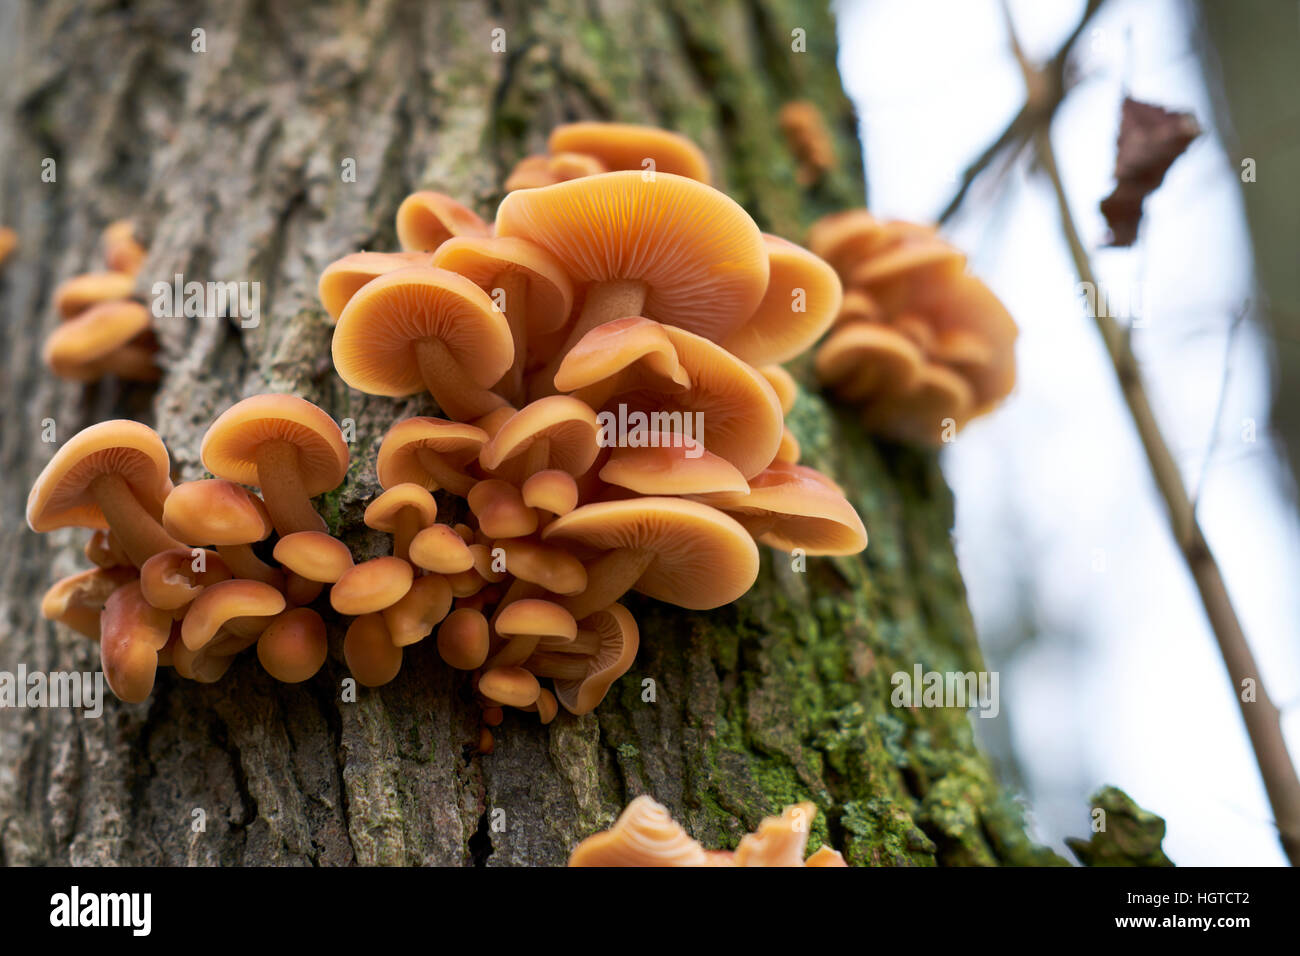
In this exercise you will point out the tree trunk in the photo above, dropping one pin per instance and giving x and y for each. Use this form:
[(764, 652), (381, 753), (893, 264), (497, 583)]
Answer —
[(232, 160)]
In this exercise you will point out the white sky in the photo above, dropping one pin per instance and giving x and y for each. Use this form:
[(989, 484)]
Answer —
[(1123, 683)]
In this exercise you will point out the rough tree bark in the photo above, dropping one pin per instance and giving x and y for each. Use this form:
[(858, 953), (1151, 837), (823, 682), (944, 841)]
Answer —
[(231, 159)]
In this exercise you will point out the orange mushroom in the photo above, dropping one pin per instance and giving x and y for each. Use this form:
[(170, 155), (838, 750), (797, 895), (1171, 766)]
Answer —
[(107, 338), (431, 452), (583, 680), (78, 600), (424, 328), (626, 146), (556, 432), (114, 474), (438, 548), (500, 509), (463, 640), (314, 556), (343, 277), (293, 647), (286, 446), (524, 624), (76, 295), (509, 686), (415, 614), (371, 586), (403, 510), (370, 652), (170, 580), (242, 607), (644, 834), (226, 515), (122, 252), (425, 220), (131, 634)]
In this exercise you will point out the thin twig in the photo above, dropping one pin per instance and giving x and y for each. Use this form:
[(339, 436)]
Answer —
[(1261, 717), (1217, 422)]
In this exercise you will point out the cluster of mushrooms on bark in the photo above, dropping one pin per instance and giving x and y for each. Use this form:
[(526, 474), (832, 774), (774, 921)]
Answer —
[(607, 354)]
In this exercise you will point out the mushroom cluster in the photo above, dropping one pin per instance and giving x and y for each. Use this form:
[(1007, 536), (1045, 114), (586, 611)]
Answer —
[(606, 355), (177, 579), (645, 834), (919, 343), (103, 330)]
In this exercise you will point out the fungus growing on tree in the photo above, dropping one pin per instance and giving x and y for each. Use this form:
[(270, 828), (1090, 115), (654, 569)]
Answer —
[(343, 277), (76, 295), (227, 516), (293, 647), (631, 147), (109, 338), (425, 220)]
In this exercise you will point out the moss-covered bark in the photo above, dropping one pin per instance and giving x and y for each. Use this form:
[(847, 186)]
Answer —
[(232, 159)]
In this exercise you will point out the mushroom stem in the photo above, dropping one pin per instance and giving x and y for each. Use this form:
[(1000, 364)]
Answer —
[(557, 666), (456, 393), (244, 564), (514, 290), (609, 577), (514, 652), (407, 524), (443, 474), (139, 532), (279, 474), (605, 302)]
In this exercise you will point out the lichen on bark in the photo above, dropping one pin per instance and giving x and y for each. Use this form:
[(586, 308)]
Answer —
[(231, 160)]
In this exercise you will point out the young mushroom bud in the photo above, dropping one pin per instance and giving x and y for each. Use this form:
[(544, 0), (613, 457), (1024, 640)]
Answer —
[(371, 586), (415, 615), (293, 646), (438, 548), (131, 634), (314, 555), (463, 639), (230, 517), (370, 652), (403, 511)]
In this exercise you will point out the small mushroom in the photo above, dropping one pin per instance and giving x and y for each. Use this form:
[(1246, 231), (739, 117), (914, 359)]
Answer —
[(112, 474), (370, 652), (122, 252), (550, 567), (522, 626), (778, 841), (228, 516), (424, 328), (846, 238), (403, 510), (678, 551), (556, 432), (105, 550), (802, 299), (809, 141), (170, 581), (533, 171), (414, 616), (314, 556), (937, 400), (244, 607), (551, 492), (438, 548), (371, 586), (509, 686), (860, 361), (672, 469), (131, 634), (107, 338), (626, 146), (463, 640), (431, 452), (626, 355), (343, 277), (536, 294), (284, 445), (583, 680), (500, 509), (76, 295), (425, 220), (293, 647), (78, 600), (644, 834), (8, 243)]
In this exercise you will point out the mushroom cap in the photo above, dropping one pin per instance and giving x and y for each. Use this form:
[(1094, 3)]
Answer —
[(87, 590), (483, 260), (426, 219), (938, 399), (627, 146), (215, 511), (75, 295), (122, 252), (908, 249), (858, 306), (845, 238), (314, 555), (797, 508), (626, 354), (620, 638), (61, 496), (413, 618), (371, 586), (168, 579), (453, 443), (500, 509), (533, 171), (230, 445), (75, 346), (374, 338), (511, 686), (669, 470), (645, 834), (825, 857), (778, 841), (382, 513), (438, 548), (703, 558), (552, 490), (533, 617), (463, 640), (862, 359), (567, 425), (777, 331), (699, 254), (343, 277), (224, 601), (741, 414), (369, 651), (103, 548), (293, 647), (131, 635), (550, 567)]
